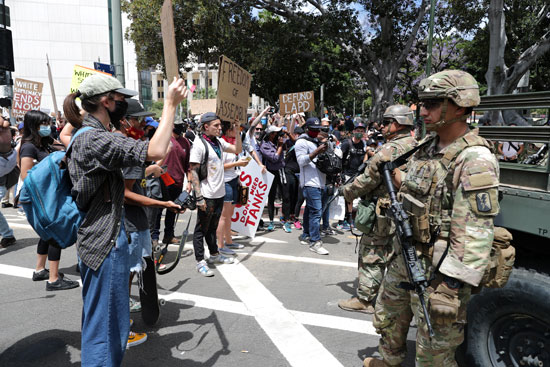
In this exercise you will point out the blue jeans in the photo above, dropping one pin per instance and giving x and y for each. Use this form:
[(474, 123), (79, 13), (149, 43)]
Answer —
[(5, 230), (324, 198), (312, 213), (139, 247), (105, 310)]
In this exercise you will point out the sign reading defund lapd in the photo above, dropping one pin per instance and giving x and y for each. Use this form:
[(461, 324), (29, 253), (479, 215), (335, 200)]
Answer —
[(26, 96), (290, 103), (233, 89)]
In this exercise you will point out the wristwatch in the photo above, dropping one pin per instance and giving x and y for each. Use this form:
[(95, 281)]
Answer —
[(452, 282)]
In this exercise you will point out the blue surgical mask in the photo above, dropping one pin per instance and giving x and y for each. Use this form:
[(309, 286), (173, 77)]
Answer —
[(44, 131)]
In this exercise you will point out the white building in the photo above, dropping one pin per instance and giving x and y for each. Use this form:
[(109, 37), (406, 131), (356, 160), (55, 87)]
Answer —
[(70, 32), (196, 76)]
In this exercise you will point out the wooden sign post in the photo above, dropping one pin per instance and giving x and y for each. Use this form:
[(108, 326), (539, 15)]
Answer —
[(291, 103), (233, 90), (169, 41)]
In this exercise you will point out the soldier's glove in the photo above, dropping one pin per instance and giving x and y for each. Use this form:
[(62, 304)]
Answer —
[(444, 305)]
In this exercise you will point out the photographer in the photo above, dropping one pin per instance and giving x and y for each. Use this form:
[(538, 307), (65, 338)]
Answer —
[(354, 153), (272, 152), (312, 181)]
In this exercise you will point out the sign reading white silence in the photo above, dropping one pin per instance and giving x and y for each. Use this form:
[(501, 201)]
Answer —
[(246, 218)]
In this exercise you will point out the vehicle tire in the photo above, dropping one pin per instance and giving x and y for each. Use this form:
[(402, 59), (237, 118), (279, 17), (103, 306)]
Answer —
[(511, 326)]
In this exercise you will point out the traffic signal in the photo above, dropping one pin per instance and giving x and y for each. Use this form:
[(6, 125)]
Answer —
[(6, 54)]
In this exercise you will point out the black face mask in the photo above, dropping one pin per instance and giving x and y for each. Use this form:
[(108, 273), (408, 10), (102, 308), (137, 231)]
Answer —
[(120, 110)]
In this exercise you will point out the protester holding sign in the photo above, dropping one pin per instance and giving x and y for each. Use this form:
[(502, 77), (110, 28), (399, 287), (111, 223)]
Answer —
[(210, 191)]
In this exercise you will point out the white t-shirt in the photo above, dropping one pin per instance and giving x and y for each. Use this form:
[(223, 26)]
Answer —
[(213, 187), (511, 148), (230, 173)]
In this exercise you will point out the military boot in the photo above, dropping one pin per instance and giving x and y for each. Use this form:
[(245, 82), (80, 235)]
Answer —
[(357, 305), (373, 362)]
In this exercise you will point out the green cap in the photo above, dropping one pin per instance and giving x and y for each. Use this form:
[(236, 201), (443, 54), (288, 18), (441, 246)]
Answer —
[(101, 83)]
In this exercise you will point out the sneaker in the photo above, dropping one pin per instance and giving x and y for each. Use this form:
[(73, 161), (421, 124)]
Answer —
[(304, 239), (220, 259), (357, 305), (282, 219), (43, 274), (171, 240), (61, 284), (136, 339), (162, 267), (327, 232), (135, 306), (318, 248), (271, 227), (155, 245), (7, 241), (226, 251), (343, 226), (287, 227), (234, 246), (297, 224), (7, 205), (203, 268)]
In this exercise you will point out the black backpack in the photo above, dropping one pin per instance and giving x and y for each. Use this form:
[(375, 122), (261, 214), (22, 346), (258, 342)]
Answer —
[(327, 162), (203, 169)]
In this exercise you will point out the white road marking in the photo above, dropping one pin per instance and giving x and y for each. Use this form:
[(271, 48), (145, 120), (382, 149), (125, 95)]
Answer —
[(20, 226), (218, 304), (293, 340)]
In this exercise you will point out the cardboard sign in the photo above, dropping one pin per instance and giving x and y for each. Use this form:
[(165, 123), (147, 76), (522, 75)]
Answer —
[(169, 41), (80, 73), (291, 103), (27, 96), (246, 218), (200, 106), (233, 89)]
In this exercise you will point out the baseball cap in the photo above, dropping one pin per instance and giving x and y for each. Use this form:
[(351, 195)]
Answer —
[(208, 117), (298, 130), (359, 125), (20, 126), (272, 129), (313, 123), (325, 119), (100, 83), (151, 122), (136, 109)]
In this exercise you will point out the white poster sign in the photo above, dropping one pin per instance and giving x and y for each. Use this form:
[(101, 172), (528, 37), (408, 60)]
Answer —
[(246, 218), (337, 209)]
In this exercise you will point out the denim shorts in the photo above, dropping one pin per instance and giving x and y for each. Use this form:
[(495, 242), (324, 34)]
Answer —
[(139, 247), (232, 191)]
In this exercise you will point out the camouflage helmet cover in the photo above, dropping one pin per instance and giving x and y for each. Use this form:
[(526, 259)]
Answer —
[(402, 114), (458, 85)]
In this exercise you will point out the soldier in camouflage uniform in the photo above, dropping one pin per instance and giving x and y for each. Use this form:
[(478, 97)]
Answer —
[(376, 249), (450, 192)]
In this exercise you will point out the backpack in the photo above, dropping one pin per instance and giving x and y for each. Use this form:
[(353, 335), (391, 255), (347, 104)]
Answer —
[(203, 169), (47, 201), (327, 162)]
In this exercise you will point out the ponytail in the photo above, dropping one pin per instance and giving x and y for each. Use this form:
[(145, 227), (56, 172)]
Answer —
[(71, 110)]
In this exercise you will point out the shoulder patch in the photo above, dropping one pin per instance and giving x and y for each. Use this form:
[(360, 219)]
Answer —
[(483, 202)]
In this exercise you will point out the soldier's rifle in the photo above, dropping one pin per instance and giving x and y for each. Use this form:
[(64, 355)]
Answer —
[(536, 157)]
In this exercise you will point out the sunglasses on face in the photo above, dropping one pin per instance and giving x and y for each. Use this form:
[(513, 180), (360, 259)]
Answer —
[(324, 129), (258, 129), (430, 104), (386, 122)]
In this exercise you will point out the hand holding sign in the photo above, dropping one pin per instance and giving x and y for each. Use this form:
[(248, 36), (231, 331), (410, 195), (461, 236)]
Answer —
[(177, 92)]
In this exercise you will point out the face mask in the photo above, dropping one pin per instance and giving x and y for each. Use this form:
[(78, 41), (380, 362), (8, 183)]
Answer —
[(44, 131), (313, 134), (120, 110), (358, 135), (135, 133), (178, 129), (258, 135)]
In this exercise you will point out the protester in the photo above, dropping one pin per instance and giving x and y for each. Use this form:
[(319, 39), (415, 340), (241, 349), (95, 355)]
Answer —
[(210, 191), (510, 150), (95, 161), (36, 145), (292, 174), (232, 164), (6, 152), (272, 152), (312, 182), (331, 180)]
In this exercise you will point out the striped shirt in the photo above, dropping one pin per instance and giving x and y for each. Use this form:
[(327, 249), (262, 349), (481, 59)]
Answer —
[(96, 157)]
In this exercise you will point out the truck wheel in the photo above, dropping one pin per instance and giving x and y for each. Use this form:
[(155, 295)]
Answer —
[(511, 326)]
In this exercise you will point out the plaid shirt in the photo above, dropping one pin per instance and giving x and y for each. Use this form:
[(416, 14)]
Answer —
[(97, 156)]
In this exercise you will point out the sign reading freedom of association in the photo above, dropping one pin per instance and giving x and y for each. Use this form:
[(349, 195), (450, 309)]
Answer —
[(26, 96), (290, 103), (233, 89)]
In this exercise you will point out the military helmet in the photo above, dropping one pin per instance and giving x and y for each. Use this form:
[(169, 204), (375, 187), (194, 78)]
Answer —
[(402, 114), (458, 85)]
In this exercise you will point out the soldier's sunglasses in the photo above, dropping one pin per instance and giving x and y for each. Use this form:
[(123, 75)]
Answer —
[(386, 122), (431, 104)]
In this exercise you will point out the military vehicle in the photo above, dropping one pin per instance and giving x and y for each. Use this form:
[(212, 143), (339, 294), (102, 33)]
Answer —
[(510, 326)]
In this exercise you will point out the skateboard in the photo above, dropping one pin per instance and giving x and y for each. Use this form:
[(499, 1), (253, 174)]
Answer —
[(164, 251), (150, 303)]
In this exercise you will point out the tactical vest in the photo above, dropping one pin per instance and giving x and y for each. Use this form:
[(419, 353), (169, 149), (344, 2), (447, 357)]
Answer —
[(427, 192)]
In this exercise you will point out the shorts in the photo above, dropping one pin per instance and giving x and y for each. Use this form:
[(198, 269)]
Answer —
[(232, 191), (140, 246)]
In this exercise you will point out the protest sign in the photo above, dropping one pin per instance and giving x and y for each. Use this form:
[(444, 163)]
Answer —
[(27, 96), (169, 41), (200, 106), (246, 218), (337, 209), (290, 103), (233, 89), (80, 73)]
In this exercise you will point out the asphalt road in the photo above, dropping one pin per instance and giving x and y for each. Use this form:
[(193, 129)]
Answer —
[(276, 306)]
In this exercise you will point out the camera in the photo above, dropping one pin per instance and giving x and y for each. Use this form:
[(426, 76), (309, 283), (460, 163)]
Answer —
[(272, 110), (186, 201)]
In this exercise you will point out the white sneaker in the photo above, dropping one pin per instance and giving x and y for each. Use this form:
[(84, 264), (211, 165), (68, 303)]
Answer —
[(220, 259), (203, 268), (318, 248)]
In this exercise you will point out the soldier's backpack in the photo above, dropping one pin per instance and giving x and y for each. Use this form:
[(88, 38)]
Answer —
[(47, 201), (501, 261)]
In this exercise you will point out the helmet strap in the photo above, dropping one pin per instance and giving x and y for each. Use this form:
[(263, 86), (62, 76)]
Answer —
[(442, 122)]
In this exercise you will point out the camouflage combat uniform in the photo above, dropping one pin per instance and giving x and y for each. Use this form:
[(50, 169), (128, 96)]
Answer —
[(375, 249), (456, 192)]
